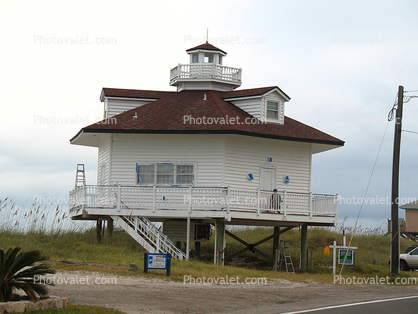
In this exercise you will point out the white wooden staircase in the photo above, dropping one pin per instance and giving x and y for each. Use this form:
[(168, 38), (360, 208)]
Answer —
[(148, 235)]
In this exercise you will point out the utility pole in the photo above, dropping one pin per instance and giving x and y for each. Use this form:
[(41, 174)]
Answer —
[(394, 251)]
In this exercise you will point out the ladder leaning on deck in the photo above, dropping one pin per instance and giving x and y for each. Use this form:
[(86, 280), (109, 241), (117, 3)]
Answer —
[(148, 235), (80, 176), (285, 258)]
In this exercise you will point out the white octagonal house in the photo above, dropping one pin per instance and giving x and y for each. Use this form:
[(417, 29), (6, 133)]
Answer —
[(200, 158)]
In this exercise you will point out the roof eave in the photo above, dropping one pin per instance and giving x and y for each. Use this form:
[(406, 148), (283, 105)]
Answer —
[(270, 136), (83, 138)]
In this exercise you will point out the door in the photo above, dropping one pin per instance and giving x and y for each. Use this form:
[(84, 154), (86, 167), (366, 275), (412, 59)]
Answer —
[(413, 258), (267, 179)]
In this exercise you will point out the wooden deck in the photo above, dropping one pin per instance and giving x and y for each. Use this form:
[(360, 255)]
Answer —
[(237, 206)]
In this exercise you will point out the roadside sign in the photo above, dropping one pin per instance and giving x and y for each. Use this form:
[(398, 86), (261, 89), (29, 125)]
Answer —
[(157, 261), (341, 257)]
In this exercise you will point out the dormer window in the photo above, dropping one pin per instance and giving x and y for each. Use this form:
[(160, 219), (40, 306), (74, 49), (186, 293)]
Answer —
[(272, 110)]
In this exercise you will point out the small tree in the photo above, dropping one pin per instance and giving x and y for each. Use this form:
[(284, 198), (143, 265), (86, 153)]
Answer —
[(18, 271)]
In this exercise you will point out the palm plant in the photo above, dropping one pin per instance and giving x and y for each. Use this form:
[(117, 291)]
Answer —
[(18, 271)]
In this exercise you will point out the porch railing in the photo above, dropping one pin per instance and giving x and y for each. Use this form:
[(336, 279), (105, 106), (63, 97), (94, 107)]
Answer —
[(202, 199), (205, 70)]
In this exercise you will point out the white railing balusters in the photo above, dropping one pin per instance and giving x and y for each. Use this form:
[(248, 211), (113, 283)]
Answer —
[(284, 203), (190, 199), (258, 202), (227, 200), (154, 207), (118, 198), (205, 70), (310, 205)]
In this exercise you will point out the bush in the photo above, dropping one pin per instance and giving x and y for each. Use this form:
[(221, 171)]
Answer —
[(18, 272)]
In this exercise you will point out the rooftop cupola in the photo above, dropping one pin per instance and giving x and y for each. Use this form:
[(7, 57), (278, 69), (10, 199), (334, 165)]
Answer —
[(205, 71)]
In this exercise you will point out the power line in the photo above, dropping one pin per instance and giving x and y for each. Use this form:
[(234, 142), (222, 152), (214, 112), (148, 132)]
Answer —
[(368, 185), (409, 131)]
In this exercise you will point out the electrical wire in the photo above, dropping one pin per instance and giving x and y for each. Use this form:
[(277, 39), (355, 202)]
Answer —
[(409, 131), (392, 111), (390, 118)]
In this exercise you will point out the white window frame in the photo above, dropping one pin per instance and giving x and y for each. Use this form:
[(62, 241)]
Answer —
[(277, 111), (194, 165), (195, 57)]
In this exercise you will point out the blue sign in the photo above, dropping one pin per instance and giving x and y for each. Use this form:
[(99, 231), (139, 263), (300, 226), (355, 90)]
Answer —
[(157, 261)]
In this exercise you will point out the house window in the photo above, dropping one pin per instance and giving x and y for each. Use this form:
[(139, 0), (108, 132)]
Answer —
[(165, 174), (184, 174), (195, 58), (273, 110), (145, 174)]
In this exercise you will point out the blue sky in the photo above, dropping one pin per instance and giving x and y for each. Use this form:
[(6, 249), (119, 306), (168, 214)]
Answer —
[(340, 61)]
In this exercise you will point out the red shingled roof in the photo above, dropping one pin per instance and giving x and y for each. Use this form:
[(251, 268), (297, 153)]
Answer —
[(171, 114), (206, 46)]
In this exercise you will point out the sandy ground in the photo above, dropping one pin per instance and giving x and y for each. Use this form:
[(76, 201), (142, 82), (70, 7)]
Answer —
[(143, 295)]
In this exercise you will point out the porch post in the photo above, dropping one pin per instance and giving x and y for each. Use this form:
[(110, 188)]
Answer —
[(215, 244), (303, 247), (188, 239), (109, 227), (197, 249), (276, 240), (99, 230), (220, 240)]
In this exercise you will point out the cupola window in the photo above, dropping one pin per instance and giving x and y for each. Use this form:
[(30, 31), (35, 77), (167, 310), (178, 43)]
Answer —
[(209, 58)]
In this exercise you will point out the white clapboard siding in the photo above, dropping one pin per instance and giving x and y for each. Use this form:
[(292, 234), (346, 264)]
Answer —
[(221, 160), (116, 106), (204, 85), (244, 154), (252, 105), (205, 150), (103, 158)]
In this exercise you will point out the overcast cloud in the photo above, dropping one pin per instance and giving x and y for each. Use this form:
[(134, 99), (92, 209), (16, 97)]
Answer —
[(340, 61)]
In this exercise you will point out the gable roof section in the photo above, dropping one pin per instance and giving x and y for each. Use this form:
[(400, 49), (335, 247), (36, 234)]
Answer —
[(133, 93), (187, 112), (252, 92)]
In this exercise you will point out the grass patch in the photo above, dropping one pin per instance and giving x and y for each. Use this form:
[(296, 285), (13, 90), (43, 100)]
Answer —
[(371, 258), (80, 309)]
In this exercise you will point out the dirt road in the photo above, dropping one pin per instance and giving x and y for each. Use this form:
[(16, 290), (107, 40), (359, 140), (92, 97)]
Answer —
[(143, 295)]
